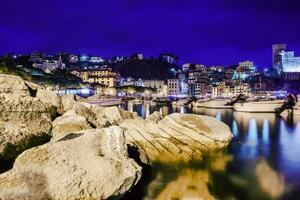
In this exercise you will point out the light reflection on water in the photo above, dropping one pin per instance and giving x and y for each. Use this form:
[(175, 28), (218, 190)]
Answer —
[(263, 144)]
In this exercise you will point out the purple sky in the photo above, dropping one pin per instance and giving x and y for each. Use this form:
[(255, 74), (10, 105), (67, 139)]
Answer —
[(212, 32)]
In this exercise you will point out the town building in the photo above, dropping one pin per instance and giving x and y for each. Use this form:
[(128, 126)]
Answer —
[(173, 87), (96, 60), (50, 65), (169, 58), (290, 63), (73, 58), (101, 76), (36, 57), (277, 58)]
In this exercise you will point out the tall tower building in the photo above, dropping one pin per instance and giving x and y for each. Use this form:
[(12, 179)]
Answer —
[(277, 58)]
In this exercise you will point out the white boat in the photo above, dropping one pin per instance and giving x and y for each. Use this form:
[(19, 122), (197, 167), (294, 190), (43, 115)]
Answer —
[(213, 103), (106, 102), (181, 102), (262, 106)]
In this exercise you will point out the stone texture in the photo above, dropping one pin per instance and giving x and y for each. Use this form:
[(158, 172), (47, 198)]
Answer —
[(24, 122), (68, 123), (155, 116), (85, 165), (13, 85), (177, 137), (49, 98)]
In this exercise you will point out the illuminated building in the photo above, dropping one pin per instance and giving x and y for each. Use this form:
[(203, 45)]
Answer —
[(173, 87), (169, 58), (36, 57), (290, 63), (186, 66), (84, 58), (138, 56), (96, 60), (73, 59), (102, 76), (277, 62)]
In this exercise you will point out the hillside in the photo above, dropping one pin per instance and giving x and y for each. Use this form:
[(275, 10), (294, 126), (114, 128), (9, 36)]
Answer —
[(29, 73), (145, 69)]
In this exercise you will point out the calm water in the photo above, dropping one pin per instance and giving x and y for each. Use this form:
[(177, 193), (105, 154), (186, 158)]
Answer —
[(262, 162)]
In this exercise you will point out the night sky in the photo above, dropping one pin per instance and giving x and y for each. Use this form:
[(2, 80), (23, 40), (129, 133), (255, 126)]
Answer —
[(211, 32)]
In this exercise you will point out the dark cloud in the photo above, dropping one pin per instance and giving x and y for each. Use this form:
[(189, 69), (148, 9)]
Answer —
[(210, 31)]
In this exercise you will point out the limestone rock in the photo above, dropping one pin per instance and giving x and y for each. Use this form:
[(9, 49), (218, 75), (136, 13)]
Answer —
[(177, 137), (13, 85), (85, 165), (49, 98), (24, 123), (155, 116), (68, 123), (116, 115)]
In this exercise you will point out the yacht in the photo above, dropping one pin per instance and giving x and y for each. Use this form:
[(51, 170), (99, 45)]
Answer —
[(258, 106), (213, 103)]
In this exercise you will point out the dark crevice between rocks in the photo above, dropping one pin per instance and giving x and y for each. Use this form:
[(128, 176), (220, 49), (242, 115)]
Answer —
[(53, 112), (11, 151), (32, 92), (91, 124), (70, 136), (139, 191)]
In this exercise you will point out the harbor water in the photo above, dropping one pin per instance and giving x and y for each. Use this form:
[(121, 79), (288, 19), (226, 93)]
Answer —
[(262, 161)]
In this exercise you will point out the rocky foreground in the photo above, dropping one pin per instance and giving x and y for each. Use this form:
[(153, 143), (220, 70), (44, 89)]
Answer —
[(66, 148)]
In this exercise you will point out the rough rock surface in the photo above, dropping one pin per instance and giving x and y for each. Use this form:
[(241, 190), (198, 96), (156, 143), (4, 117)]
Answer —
[(49, 98), (24, 122), (155, 116), (98, 116), (177, 137), (13, 85), (68, 123), (99, 169)]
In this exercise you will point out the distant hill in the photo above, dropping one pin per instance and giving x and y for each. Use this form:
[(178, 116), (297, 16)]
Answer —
[(145, 69), (29, 73)]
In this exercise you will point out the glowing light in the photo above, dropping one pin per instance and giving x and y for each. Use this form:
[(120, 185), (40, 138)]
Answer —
[(235, 130), (218, 116), (265, 131), (85, 91)]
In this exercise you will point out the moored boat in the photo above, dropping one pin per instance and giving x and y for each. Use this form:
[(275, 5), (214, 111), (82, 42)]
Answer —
[(181, 102), (106, 102), (213, 103), (260, 106)]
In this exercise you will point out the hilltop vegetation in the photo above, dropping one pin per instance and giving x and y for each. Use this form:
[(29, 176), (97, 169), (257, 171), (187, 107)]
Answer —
[(29, 73)]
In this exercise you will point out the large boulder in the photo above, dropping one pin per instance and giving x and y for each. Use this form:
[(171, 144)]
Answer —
[(155, 116), (24, 122), (85, 165), (177, 137), (97, 116), (13, 85), (68, 123), (49, 98)]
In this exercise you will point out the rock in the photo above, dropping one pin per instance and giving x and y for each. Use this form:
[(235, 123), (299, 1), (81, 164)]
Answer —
[(96, 115), (49, 98), (24, 122), (86, 165), (68, 123), (177, 137), (13, 85), (116, 115), (155, 116)]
